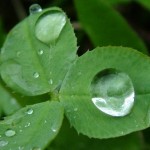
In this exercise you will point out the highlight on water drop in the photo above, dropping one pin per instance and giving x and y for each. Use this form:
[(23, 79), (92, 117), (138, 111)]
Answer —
[(113, 92), (29, 111), (10, 133), (3, 143), (49, 26), (35, 8), (36, 75)]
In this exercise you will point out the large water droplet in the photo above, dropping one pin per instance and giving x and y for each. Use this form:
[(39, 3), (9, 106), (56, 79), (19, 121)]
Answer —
[(10, 133), (36, 75), (3, 143), (49, 26), (113, 92), (35, 8), (29, 111)]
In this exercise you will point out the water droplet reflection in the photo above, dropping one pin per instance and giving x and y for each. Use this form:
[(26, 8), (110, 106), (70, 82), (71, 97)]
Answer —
[(36, 148), (50, 81), (49, 26), (40, 51), (54, 129), (3, 143), (10, 133), (34, 8), (113, 92), (36, 75), (29, 111)]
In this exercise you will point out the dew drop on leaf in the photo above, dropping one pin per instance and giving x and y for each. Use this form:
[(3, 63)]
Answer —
[(40, 51), (36, 148), (113, 92), (27, 125), (50, 81), (75, 109), (49, 26), (20, 148), (10, 133), (53, 129), (36, 75), (3, 143), (34, 8), (29, 111)]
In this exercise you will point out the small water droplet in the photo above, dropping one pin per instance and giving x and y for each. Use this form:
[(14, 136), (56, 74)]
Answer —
[(40, 52), (45, 121), (50, 81), (36, 75), (112, 92), (36, 148), (3, 143), (10, 133), (49, 26), (20, 148), (29, 111), (54, 129), (75, 109), (27, 125), (35, 8), (20, 130)]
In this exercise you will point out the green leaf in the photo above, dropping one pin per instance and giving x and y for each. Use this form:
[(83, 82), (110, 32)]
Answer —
[(105, 26), (68, 139), (76, 93), (145, 3), (8, 103), (31, 127), (38, 67), (116, 2)]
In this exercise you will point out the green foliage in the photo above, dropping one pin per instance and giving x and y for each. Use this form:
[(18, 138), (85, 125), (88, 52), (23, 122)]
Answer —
[(43, 79), (76, 95), (46, 60), (31, 127), (145, 3), (109, 28), (79, 142)]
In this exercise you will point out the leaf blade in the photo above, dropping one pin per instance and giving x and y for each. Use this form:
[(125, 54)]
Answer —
[(35, 126), (105, 26), (33, 72), (77, 99)]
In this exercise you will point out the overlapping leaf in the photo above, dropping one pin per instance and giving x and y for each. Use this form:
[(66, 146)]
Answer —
[(105, 26), (76, 93), (31, 127), (8, 103), (35, 57)]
